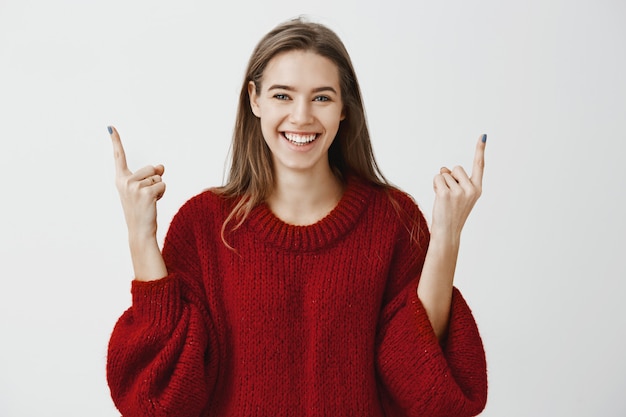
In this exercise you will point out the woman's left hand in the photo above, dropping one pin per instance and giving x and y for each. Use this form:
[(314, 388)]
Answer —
[(456, 194)]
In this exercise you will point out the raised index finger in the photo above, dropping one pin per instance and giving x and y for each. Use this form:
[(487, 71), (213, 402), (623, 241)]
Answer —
[(118, 151), (479, 161)]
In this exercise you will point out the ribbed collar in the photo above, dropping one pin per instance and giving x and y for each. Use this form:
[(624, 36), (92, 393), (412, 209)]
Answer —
[(275, 232)]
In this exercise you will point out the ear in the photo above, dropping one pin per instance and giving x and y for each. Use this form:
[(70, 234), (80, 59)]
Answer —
[(254, 105), (343, 114)]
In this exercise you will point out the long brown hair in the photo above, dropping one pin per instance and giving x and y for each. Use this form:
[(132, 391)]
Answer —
[(251, 174)]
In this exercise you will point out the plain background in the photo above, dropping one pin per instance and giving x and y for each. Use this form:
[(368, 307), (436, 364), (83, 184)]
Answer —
[(542, 261)]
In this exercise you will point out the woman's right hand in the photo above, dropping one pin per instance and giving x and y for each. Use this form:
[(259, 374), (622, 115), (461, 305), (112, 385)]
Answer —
[(139, 192)]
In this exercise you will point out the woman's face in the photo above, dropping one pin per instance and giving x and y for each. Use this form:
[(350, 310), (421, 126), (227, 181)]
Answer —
[(300, 108)]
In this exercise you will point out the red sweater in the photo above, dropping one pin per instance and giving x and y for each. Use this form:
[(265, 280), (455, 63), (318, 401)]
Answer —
[(319, 320)]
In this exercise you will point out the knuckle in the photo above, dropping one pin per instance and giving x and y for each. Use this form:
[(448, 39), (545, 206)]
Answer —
[(156, 188)]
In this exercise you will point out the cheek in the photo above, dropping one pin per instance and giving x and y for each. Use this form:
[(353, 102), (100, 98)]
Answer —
[(271, 116), (333, 119), (269, 127)]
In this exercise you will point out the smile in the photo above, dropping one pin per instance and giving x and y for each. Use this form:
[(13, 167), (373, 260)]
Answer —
[(300, 140)]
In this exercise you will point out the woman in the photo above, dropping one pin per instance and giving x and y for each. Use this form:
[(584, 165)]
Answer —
[(307, 285)]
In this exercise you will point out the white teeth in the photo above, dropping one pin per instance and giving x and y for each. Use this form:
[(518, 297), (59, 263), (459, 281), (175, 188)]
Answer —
[(300, 139)]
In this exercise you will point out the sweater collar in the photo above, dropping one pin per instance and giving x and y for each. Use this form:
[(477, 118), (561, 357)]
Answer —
[(275, 232)]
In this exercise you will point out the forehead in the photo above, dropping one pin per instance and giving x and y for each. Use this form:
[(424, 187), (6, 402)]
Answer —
[(301, 69)]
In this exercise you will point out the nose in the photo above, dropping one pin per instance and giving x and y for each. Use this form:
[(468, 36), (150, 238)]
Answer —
[(301, 113)]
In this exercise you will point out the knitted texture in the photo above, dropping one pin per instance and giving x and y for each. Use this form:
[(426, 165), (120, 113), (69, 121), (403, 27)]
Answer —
[(319, 320)]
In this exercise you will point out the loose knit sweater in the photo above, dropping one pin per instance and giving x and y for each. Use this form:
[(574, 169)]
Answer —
[(319, 320)]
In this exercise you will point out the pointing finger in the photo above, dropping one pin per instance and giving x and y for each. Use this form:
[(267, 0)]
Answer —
[(118, 152), (479, 161)]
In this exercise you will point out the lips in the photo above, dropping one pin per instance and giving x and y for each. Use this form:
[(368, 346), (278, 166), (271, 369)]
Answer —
[(300, 139)]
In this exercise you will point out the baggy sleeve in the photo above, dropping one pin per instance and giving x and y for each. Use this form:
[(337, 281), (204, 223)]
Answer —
[(424, 378), (161, 358), (419, 375)]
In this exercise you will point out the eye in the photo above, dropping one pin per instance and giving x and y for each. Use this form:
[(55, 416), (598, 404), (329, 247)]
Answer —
[(321, 98), (281, 96)]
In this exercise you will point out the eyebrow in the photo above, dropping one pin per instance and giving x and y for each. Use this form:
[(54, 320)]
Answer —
[(289, 88)]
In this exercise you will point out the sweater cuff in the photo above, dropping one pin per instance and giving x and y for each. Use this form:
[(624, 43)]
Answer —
[(420, 318), (157, 302), (459, 321), (462, 327), (462, 346)]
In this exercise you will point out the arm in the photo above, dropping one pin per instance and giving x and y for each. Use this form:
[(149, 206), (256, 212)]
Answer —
[(161, 358), (421, 373), (163, 354), (455, 196), (420, 376)]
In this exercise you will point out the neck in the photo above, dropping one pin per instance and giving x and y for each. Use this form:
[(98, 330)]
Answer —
[(303, 199)]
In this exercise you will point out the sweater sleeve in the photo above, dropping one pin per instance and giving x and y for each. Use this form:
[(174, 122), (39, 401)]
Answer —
[(420, 375), (161, 361)]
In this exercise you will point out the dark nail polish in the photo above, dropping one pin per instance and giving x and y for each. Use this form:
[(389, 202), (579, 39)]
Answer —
[(111, 130), (484, 138)]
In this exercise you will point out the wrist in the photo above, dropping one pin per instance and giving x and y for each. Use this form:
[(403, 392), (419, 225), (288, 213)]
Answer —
[(445, 239), (140, 242), (147, 259)]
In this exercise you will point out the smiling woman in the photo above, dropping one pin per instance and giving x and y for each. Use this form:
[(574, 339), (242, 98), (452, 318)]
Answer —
[(300, 106), (298, 103), (306, 285)]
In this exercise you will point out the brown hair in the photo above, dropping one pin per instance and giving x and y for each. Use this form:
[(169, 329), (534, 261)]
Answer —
[(251, 175)]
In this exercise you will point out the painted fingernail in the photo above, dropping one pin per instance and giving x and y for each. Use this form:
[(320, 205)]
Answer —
[(110, 129), (484, 138)]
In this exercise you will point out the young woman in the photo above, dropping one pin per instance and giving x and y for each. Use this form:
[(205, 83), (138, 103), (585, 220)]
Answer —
[(307, 285)]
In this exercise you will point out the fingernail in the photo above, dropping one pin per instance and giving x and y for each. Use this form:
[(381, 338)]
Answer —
[(110, 129), (484, 138)]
